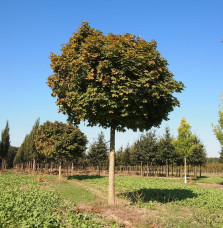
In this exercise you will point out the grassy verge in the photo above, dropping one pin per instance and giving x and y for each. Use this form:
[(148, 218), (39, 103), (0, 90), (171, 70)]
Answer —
[(72, 192)]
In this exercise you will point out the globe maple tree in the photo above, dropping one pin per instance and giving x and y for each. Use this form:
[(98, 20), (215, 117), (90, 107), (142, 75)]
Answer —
[(114, 81)]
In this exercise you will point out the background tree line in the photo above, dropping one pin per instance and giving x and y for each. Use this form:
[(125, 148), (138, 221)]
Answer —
[(63, 143), (53, 143)]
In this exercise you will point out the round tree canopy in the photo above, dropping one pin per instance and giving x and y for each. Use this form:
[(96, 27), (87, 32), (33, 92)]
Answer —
[(113, 80), (60, 141)]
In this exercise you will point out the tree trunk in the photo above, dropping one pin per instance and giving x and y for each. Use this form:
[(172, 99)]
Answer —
[(60, 170), (98, 168), (200, 171), (34, 165), (195, 172), (167, 173), (2, 164), (51, 168), (111, 188), (141, 169), (67, 170), (72, 166), (185, 170)]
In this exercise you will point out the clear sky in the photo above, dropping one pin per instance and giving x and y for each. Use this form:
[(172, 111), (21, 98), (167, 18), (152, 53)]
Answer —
[(188, 33)]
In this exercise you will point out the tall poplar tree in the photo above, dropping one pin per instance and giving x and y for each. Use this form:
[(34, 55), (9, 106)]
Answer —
[(114, 81), (184, 143), (33, 154), (27, 151), (5, 144)]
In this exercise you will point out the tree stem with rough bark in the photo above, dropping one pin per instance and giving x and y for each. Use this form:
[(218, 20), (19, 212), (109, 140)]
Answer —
[(60, 164), (34, 165), (111, 188), (185, 170)]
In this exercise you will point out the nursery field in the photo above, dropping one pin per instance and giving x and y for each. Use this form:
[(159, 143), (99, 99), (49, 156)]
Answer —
[(25, 202), (81, 201)]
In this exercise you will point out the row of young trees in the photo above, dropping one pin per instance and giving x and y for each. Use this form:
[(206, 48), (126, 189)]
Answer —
[(58, 142), (148, 149), (154, 150)]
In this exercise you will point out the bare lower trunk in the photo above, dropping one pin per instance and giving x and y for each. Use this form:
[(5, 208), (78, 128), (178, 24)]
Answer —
[(141, 171), (2, 164), (60, 170), (72, 164), (195, 172), (51, 168), (185, 170), (111, 188), (98, 168), (34, 165), (67, 170), (167, 173)]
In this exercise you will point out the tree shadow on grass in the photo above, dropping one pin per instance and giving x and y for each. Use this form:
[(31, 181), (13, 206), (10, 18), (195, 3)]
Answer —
[(83, 177), (159, 195)]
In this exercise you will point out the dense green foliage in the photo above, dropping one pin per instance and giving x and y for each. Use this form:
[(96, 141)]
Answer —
[(24, 203), (212, 160), (198, 154), (27, 151), (60, 141), (145, 149), (218, 129), (221, 155), (100, 78), (166, 148), (155, 150), (98, 152), (126, 157), (5, 144), (11, 156), (185, 139)]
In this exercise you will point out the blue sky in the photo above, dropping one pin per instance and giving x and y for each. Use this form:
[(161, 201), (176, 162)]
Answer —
[(188, 34)]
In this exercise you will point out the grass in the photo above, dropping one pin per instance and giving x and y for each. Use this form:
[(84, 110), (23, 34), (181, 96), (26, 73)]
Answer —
[(25, 202), (175, 204), (70, 191)]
